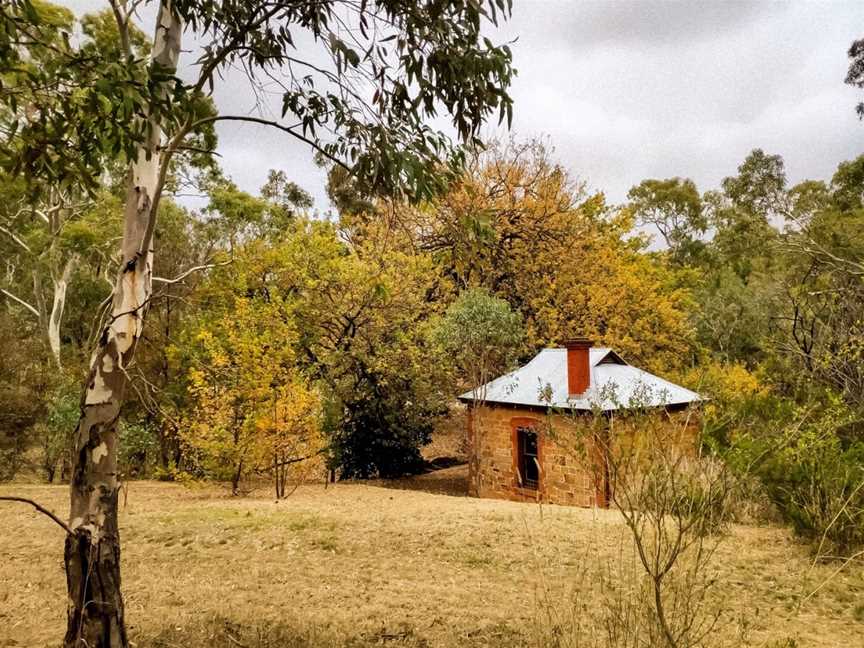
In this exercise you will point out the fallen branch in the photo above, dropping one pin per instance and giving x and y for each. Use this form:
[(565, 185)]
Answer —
[(848, 560), (41, 509), (234, 641)]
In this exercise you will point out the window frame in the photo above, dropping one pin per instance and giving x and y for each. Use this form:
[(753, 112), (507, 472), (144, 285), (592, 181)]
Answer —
[(526, 424)]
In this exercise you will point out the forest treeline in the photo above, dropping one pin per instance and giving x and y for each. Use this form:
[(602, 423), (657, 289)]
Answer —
[(283, 341), (281, 338)]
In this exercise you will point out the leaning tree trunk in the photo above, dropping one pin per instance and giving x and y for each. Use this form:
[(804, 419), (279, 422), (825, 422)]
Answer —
[(92, 552)]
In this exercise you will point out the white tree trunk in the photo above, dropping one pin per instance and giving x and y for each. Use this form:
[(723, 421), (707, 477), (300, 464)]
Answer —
[(59, 303), (92, 554)]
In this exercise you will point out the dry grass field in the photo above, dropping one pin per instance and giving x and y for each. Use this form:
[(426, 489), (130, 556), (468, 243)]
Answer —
[(370, 565)]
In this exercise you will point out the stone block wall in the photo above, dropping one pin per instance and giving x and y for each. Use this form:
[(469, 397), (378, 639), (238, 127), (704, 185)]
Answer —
[(573, 467), (567, 475)]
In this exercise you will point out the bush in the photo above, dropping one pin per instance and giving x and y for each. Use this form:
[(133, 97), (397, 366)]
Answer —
[(820, 493), (56, 431), (381, 433), (702, 495), (169, 473), (380, 428), (24, 380), (139, 449), (806, 464), (817, 485)]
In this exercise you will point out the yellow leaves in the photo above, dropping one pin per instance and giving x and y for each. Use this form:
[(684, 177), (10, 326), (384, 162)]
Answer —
[(727, 385), (606, 291), (519, 226), (726, 381), (248, 399)]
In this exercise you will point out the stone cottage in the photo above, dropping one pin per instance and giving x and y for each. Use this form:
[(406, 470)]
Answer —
[(514, 453)]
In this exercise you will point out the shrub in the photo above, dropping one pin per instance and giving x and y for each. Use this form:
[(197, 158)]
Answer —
[(820, 493), (673, 503), (139, 449), (381, 432), (169, 473), (55, 432), (817, 483), (702, 495)]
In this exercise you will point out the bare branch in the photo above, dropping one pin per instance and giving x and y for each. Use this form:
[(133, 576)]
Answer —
[(41, 509), (287, 462), (195, 149), (16, 239), (20, 301), (183, 275), (814, 249), (274, 124)]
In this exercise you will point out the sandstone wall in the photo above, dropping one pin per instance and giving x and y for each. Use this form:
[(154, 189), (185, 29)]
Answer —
[(569, 474), (574, 468)]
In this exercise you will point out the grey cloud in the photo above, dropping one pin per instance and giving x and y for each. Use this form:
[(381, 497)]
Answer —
[(632, 90), (623, 110), (637, 22)]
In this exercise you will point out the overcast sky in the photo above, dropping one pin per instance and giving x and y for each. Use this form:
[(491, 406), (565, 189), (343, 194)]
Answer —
[(631, 90)]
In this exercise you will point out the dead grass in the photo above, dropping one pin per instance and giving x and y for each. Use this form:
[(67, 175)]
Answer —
[(359, 565)]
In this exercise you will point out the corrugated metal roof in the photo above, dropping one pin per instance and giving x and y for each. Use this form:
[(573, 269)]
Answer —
[(614, 385)]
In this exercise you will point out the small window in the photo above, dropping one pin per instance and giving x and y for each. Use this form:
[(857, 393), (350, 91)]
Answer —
[(528, 463)]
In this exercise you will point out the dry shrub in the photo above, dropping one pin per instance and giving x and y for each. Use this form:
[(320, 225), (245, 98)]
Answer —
[(749, 502), (676, 505), (568, 619), (614, 605)]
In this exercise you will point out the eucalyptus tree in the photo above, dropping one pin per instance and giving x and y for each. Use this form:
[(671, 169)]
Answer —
[(855, 75), (49, 228), (482, 336), (747, 212), (359, 81), (45, 245), (674, 207), (821, 319)]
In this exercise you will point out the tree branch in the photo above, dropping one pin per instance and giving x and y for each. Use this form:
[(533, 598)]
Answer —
[(213, 64), (16, 239), (20, 301), (122, 20), (39, 508), (287, 462), (183, 275), (195, 149), (274, 124)]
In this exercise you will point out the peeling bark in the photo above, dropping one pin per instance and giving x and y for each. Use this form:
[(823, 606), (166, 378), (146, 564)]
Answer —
[(92, 552)]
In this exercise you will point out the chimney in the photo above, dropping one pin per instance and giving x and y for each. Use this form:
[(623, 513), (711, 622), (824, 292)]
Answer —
[(578, 366)]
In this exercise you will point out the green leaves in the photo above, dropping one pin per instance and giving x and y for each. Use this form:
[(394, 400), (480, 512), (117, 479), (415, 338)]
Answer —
[(855, 76), (481, 334), (74, 110), (83, 109), (674, 207), (401, 67)]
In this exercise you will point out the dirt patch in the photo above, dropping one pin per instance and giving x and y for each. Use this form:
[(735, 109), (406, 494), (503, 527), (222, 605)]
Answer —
[(451, 481)]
